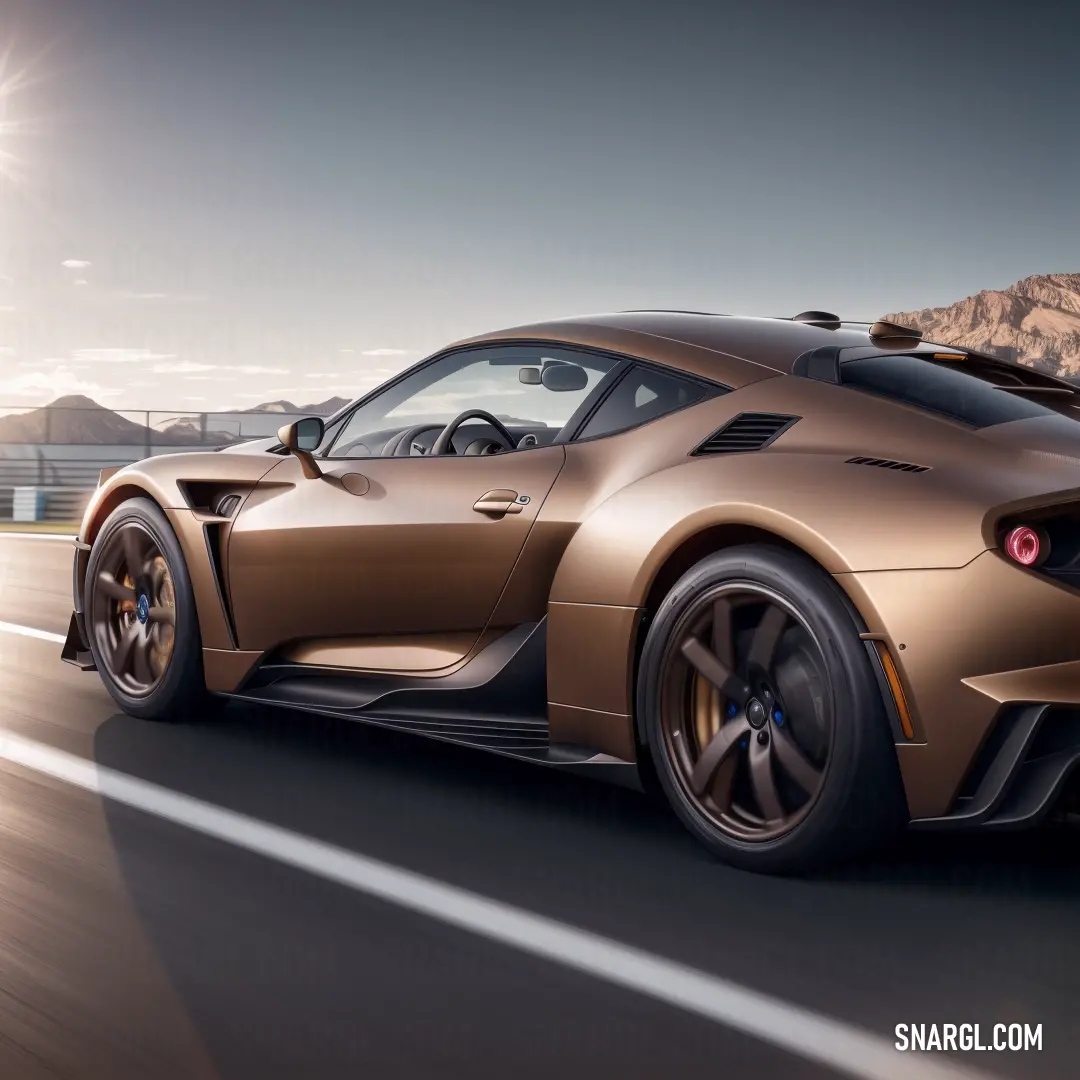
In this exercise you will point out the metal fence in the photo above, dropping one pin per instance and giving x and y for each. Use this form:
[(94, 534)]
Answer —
[(58, 450), (145, 429)]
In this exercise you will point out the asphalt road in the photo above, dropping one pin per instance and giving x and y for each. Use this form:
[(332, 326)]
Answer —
[(135, 947)]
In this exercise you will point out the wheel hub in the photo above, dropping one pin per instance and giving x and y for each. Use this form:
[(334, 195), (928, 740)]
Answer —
[(756, 714), (132, 610)]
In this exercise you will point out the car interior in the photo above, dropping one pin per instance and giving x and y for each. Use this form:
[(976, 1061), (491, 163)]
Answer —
[(631, 395)]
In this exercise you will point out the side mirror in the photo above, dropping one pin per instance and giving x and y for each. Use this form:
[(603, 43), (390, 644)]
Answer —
[(530, 376), (564, 377), (300, 438)]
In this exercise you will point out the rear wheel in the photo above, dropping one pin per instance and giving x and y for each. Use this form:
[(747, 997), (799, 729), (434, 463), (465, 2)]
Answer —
[(140, 616), (762, 714)]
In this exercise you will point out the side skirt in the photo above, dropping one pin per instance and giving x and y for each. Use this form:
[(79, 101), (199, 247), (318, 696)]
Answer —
[(496, 702)]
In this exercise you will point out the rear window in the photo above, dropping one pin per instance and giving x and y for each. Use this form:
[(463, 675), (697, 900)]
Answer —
[(939, 388)]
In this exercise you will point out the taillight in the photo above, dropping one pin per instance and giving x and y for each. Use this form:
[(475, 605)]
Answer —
[(1026, 545)]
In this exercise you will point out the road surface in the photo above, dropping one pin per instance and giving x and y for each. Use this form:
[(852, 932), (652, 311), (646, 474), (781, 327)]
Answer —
[(135, 944)]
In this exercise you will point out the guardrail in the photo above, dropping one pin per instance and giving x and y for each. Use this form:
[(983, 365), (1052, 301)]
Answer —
[(32, 504), (147, 429), (77, 473)]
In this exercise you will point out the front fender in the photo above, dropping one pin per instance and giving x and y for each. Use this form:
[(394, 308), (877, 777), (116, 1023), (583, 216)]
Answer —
[(178, 483), (163, 479)]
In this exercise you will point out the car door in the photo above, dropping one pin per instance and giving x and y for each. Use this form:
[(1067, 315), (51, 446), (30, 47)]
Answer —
[(394, 547)]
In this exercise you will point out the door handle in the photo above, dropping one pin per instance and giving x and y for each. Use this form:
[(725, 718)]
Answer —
[(498, 502)]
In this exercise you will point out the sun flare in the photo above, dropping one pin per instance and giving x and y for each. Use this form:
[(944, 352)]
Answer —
[(13, 126)]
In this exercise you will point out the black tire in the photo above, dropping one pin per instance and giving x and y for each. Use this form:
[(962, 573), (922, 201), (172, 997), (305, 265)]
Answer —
[(180, 690), (858, 800)]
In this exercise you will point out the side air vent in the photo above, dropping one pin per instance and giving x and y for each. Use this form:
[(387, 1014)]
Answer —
[(226, 505), (886, 463), (747, 432)]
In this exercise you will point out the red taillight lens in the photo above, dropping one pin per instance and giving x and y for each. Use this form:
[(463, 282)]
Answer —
[(1024, 545)]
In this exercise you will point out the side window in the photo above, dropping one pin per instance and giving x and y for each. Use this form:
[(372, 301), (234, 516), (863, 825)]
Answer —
[(513, 383), (642, 395)]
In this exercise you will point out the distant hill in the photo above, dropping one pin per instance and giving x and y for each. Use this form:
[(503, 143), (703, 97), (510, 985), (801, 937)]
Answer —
[(1034, 322), (322, 408), (81, 420)]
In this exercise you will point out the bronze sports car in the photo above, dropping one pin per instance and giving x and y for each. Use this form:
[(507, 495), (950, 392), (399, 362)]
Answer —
[(817, 579)]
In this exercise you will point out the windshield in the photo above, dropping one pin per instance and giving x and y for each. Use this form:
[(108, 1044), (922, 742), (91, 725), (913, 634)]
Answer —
[(491, 379)]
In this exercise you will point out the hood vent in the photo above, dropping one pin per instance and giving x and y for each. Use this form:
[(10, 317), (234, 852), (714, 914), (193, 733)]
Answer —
[(886, 463), (747, 432)]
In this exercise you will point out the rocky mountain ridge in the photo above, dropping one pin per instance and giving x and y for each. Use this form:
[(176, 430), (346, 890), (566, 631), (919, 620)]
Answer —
[(1035, 322)]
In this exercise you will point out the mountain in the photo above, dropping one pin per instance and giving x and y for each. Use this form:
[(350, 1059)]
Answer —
[(1035, 322), (81, 420), (322, 408)]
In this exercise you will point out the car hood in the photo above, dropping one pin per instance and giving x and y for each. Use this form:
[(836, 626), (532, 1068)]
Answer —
[(255, 446)]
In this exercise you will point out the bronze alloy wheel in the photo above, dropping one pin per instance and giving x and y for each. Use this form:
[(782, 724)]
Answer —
[(139, 610), (133, 614), (746, 711), (762, 715)]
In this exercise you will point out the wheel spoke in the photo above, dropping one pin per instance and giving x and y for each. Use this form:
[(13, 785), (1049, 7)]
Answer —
[(767, 637), (162, 615), (115, 590), (124, 647), (133, 555), (710, 667), (141, 669), (723, 641), (761, 779), (723, 742), (723, 783), (795, 763)]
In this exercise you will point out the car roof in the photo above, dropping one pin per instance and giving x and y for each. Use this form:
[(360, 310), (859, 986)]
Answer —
[(773, 343)]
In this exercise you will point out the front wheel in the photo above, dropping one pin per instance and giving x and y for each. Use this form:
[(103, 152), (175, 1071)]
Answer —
[(140, 616), (763, 716)]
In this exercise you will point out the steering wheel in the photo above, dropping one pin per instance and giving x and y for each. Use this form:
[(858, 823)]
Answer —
[(443, 444), (401, 445)]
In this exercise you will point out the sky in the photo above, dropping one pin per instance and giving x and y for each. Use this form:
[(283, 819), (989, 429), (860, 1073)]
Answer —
[(204, 205)]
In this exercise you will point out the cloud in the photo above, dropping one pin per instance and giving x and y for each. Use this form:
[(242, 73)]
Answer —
[(346, 350), (82, 281), (270, 395), (149, 296), (385, 352), (48, 385), (256, 369), (6, 350), (76, 264), (7, 309), (182, 367), (119, 356), (209, 378), (194, 399)]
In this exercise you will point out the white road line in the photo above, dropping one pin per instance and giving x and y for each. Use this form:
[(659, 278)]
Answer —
[(70, 537), (30, 631), (799, 1031)]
